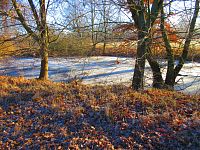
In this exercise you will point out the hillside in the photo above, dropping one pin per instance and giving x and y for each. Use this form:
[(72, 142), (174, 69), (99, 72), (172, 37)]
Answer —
[(36, 114)]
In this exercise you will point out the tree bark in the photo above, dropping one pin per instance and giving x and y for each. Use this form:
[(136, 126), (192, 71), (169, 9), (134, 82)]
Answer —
[(44, 63), (138, 77), (158, 81), (43, 43)]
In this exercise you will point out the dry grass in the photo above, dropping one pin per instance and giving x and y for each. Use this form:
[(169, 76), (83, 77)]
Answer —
[(117, 49), (7, 49), (129, 49)]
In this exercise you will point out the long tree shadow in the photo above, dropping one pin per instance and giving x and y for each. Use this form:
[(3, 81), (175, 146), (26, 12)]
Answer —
[(108, 74), (103, 64), (194, 83)]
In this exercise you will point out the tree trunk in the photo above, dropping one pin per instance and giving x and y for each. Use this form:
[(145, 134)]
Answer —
[(138, 77), (43, 43), (157, 75), (104, 47), (44, 63), (169, 80), (104, 26), (184, 55)]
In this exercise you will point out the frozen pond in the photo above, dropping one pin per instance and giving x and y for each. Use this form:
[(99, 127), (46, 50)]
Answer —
[(98, 70)]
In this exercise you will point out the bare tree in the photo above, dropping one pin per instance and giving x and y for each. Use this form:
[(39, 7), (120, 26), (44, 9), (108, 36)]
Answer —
[(39, 33), (172, 69), (173, 72), (144, 15)]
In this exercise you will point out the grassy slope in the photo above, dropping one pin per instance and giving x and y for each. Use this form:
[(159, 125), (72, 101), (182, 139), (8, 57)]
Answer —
[(36, 114)]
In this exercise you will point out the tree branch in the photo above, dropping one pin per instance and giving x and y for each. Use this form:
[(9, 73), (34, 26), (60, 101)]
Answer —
[(23, 22), (37, 20)]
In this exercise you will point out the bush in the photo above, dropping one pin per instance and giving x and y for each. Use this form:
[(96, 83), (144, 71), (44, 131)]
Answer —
[(7, 48), (70, 45)]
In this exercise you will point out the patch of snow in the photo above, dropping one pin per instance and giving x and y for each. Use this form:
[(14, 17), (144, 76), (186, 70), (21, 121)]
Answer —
[(99, 70)]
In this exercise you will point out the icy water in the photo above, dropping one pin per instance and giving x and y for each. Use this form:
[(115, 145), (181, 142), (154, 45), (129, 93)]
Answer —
[(98, 70)]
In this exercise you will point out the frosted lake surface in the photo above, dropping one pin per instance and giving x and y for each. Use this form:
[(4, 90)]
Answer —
[(98, 70)]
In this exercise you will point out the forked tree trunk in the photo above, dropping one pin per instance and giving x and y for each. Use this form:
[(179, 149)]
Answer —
[(172, 72), (144, 19)]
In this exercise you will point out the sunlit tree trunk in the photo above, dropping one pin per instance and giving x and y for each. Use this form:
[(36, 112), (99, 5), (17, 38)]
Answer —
[(43, 43), (155, 67), (44, 63)]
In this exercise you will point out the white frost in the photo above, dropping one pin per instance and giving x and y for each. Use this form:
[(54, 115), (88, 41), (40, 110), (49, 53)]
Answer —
[(98, 70)]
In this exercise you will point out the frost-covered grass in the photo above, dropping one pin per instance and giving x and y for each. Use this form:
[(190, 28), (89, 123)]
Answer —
[(51, 115), (98, 70)]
